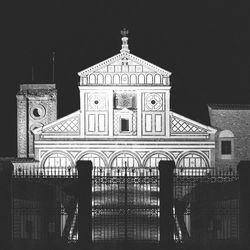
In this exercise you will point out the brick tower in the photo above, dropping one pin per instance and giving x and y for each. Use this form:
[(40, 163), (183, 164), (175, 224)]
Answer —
[(36, 106)]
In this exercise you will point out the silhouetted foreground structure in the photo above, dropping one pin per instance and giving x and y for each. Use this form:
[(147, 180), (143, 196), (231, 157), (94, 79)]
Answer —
[(154, 209)]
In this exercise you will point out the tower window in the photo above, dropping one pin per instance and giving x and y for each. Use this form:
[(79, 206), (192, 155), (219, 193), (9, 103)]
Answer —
[(36, 112), (226, 147), (124, 125)]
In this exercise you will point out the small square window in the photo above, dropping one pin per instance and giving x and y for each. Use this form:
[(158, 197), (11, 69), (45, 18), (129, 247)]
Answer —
[(124, 125), (226, 147)]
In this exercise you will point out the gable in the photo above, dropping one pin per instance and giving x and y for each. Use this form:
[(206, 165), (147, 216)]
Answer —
[(68, 125), (180, 125), (124, 64)]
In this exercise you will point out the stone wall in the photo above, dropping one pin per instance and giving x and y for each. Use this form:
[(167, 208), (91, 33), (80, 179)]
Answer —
[(36, 106), (235, 118)]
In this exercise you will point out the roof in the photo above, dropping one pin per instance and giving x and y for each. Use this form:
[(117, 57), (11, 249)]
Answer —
[(119, 57), (124, 68), (229, 106)]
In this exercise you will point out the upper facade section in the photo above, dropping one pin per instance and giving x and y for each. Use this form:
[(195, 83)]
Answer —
[(124, 69)]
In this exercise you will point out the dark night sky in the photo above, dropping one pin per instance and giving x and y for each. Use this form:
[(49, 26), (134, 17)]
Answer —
[(205, 44)]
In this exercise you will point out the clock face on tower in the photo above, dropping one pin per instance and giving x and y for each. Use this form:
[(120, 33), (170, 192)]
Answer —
[(37, 111)]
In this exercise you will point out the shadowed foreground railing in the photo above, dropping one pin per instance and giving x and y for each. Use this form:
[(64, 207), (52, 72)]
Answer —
[(125, 205), (52, 172)]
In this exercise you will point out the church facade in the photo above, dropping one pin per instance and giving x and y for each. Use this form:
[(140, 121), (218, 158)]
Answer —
[(124, 120)]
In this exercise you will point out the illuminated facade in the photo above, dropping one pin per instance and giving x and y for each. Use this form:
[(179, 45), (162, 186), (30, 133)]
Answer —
[(125, 127), (124, 116)]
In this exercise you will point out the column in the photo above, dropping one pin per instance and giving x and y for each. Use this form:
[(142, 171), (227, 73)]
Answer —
[(84, 204), (6, 169), (244, 203), (110, 113), (166, 204), (167, 113), (139, 113), (82, 112)]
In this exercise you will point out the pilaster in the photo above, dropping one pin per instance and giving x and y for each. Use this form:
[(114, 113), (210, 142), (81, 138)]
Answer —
[(82, 113), (21, 126), (139, 113), (111, 113)]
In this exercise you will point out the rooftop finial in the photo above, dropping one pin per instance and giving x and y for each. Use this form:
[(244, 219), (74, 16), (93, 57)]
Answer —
[(124, 33)]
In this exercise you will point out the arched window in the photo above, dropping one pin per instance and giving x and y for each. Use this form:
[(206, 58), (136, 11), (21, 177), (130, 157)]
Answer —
[(100, 79), (97, 160), (125, 159), (226, 145), (123, 162), (108, 79), (116, 79), (226, 134), (58, 164), (124, 79), (192, 164), (149, 79), (141, 79), (154, 159), (157, 79), (133, 79), (92, 79)]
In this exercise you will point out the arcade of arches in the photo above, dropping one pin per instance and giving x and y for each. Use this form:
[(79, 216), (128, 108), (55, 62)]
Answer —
[(190, 163)]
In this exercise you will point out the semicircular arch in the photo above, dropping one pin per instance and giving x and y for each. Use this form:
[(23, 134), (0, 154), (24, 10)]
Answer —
[(97, 158), (152, 159), (57, 159), (192, 163), (226, 134), (120, 157), (92, 79)]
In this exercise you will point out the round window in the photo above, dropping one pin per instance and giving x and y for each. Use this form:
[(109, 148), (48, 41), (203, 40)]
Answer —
[(37, 111)]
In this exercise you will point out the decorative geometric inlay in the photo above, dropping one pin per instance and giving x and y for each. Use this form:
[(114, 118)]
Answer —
[(96, 102), (134, 123), (175, 153), (68, 126), (153, 102), (125, 100), (142, 153), (108, 153), (74, 153), (181, 126), (43, 152), (206, 153)]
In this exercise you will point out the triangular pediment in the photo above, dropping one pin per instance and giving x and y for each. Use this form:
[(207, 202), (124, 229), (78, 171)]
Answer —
[(180, 125), (126, 63), (68, 125)]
